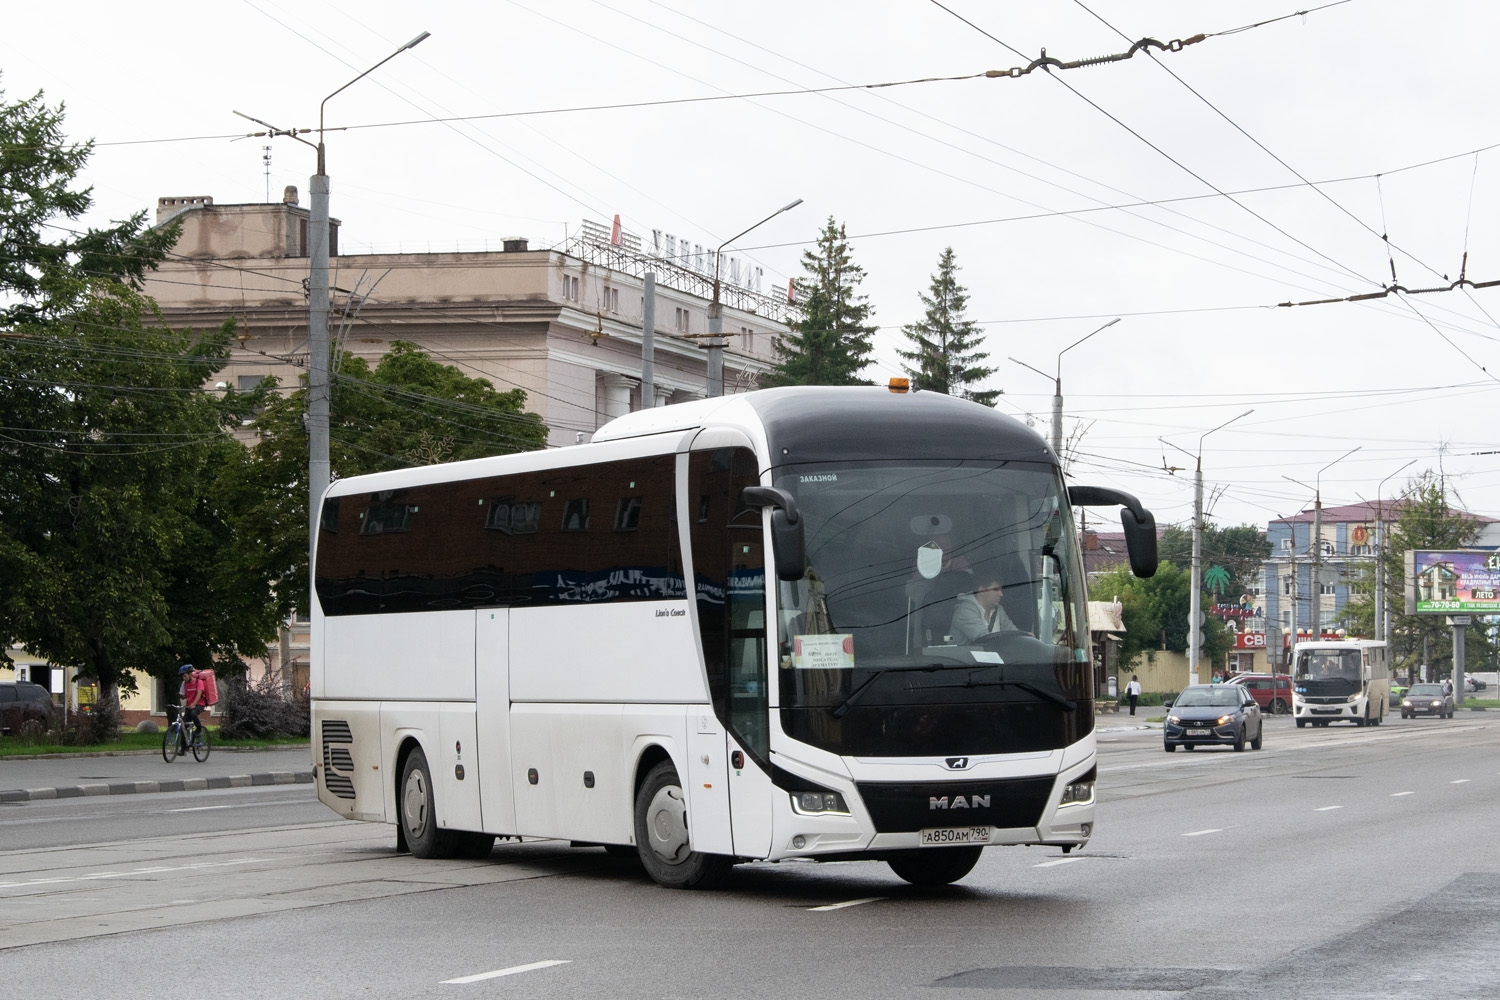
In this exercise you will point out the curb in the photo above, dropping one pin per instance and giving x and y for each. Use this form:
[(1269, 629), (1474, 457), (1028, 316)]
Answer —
[(169, 785)]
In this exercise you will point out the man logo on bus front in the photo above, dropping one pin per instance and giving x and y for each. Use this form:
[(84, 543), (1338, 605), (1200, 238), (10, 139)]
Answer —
[(957, 763)]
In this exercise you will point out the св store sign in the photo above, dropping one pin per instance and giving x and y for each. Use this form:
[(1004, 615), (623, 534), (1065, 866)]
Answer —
[(1250, 640)]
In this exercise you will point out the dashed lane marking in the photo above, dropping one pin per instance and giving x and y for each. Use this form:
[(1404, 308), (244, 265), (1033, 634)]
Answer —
[(840, 906), (1459, 781), (1058, 861), (1324, 809), (1203, 833), (513, 970), (1397, 795)]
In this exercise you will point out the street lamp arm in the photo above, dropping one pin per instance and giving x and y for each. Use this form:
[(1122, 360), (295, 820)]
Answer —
[(409, 45), (1075, 343), (720, 249), (1025, 365)]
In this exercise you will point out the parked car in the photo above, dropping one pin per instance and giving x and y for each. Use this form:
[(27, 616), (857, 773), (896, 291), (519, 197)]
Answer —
[(1473, 685), (1214, 714), (1272, 692), (21, 701), (1427, 699)]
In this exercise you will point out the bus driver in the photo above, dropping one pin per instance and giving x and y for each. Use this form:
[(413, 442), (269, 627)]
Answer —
[(980, 613)]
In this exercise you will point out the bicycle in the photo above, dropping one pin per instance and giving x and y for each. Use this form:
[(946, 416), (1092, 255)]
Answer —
[(177, 740)]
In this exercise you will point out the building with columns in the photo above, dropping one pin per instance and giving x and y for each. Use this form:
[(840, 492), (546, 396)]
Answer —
[(562, 324)]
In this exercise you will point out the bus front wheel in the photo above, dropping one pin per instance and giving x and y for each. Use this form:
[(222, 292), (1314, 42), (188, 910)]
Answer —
[(661, 835), (418, 814), (935, 866)]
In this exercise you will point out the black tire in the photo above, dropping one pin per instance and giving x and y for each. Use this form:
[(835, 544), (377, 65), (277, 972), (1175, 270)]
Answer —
[(1239, 741), (416, 810), (1301, 723), (1279, 707), (936, 865), (200, 744), (1170, 747), (169, 744), (661, 835), (1260, 737)]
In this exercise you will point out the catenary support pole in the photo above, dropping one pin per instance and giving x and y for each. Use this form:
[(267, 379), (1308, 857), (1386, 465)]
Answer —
[(648, 341)]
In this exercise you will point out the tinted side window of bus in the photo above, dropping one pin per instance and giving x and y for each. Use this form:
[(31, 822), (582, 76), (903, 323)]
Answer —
[(519, 540)]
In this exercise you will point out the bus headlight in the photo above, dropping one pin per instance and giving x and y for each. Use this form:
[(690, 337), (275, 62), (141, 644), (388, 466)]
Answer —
[(1078, 793), (819, 804)]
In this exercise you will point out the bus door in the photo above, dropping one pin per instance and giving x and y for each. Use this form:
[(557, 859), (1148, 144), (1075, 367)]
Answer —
[(729, 571), (497, 805)]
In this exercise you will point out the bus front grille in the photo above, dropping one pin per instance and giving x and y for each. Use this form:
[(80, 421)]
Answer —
[(904, 807)]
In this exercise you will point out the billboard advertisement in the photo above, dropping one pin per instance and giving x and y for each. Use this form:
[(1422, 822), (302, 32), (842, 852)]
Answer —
[(1453, 580)]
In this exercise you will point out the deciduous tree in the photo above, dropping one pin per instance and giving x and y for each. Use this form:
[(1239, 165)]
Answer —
[(408, 410), (112, 541)]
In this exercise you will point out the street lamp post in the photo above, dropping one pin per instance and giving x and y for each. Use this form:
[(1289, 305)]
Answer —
[(1195, 595), (1316, 625), (317, 319), (1380, 623), (1057, 396), (715, 342)]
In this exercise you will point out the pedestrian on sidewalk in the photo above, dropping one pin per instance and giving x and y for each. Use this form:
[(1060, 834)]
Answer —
[(1133, 692)]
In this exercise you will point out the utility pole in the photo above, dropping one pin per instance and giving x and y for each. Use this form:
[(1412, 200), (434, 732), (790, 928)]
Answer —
[(1316, 625), (715, 342), (1381, 627), (1057, 396), (317, 322), (648, 341), (1195, 594)]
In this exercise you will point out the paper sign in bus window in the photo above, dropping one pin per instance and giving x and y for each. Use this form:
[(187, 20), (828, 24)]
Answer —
[(823, 652)]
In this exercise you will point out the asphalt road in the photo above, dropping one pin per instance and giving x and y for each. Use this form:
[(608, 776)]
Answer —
[(1333, 863)]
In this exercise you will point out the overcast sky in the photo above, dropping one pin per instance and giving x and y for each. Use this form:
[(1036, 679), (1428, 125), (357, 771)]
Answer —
[(1273, 158)]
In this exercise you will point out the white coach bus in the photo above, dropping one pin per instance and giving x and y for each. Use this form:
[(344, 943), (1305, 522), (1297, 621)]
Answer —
[(1340, 680), (722, 631)]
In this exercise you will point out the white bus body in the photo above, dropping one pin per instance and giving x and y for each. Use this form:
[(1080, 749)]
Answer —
[(1347, 680), (597, 643)]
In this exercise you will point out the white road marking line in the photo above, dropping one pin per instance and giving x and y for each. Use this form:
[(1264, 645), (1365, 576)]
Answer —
[(199, 809), (95, 876), (1459, 781), (1058, 861), (508, 972), (1200, 833), (1324, 809), (840, 906), (1397, 795)]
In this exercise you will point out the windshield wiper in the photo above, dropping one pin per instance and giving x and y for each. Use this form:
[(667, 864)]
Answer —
[(843, 707), (1041, 692)]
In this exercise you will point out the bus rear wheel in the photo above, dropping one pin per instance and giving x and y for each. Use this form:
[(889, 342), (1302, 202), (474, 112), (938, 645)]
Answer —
[(935, 866), (661, 835)]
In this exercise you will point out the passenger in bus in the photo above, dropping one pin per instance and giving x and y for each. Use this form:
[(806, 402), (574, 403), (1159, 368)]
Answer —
[(980, 613)]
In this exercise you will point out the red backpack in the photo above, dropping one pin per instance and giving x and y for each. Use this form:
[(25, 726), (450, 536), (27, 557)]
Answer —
[(210, 685)]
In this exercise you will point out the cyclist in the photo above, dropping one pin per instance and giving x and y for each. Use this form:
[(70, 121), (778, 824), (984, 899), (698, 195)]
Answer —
[(194, 698)]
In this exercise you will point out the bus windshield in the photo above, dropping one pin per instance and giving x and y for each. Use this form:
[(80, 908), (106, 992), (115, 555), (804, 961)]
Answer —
[(1328, 672), (942, 610)]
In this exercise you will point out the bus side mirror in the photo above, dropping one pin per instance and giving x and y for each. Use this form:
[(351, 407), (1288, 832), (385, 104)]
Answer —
[(787, 541), (1139, 525)]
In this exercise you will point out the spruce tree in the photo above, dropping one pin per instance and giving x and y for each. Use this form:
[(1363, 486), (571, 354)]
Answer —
[(832, 341), (945, 355)]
